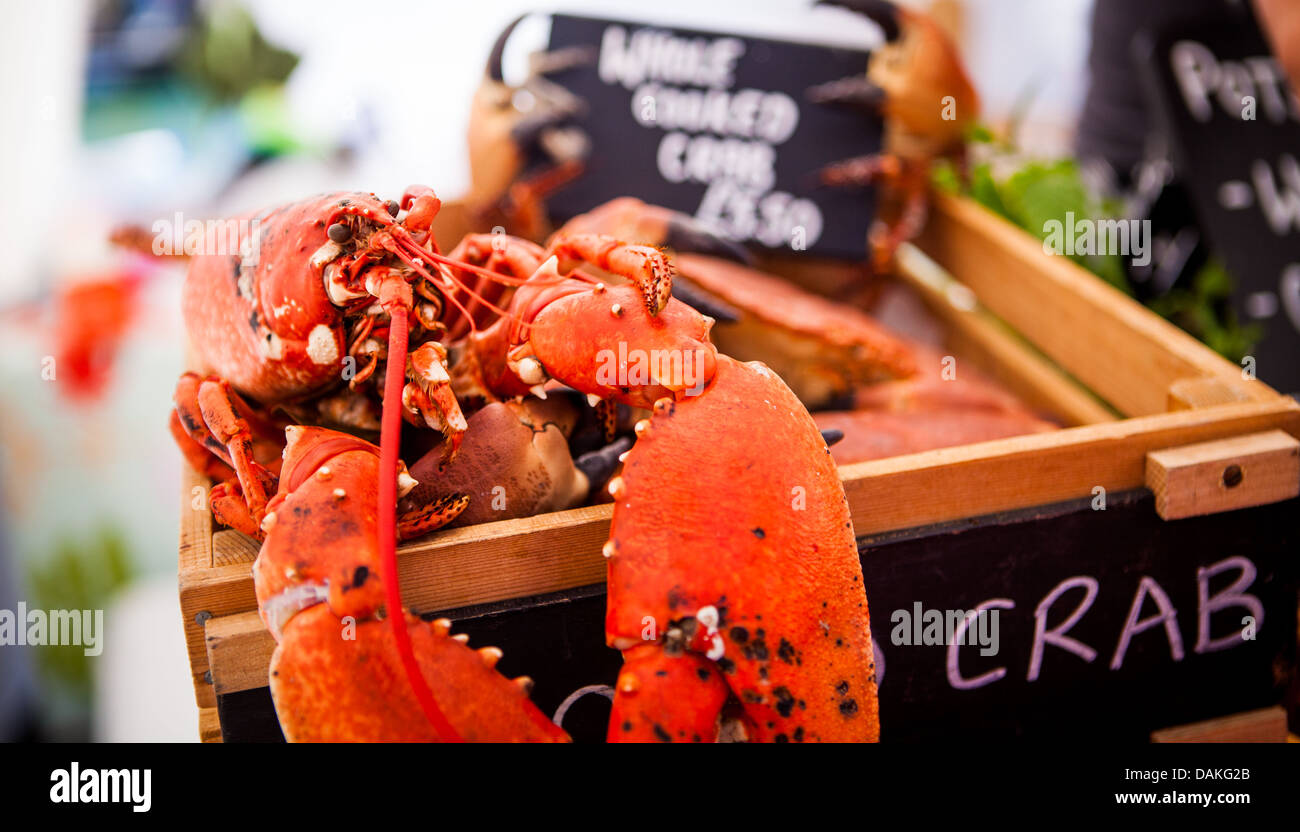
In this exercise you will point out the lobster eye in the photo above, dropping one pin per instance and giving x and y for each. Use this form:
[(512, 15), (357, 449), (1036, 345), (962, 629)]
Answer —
[(339, 232), (392, 207)]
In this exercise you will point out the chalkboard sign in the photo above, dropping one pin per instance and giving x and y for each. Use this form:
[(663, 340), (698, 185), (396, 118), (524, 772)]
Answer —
[(1233, 130), (720, 127), (1110, 624)]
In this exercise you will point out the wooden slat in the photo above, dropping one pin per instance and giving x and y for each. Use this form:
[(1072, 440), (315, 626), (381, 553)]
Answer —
[(196, 524), (998, 352), (239, 652), (1037, 469), (230, 547), (209, 725), (216, 591), (194, 555), (1238, 472), (1203, 391), (1119, 349), (1264, 725)]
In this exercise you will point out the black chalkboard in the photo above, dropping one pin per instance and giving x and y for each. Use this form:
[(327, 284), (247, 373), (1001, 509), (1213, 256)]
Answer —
[(718, 126), (1232, 126)]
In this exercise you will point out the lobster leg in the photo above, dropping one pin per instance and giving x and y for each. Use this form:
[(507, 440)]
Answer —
[(231, 509), (196, 454), (428, 518), (215, 417), (429, 395)]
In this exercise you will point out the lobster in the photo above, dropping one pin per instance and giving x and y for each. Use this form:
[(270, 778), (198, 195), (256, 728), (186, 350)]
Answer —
[(918, 83), (326, 573)]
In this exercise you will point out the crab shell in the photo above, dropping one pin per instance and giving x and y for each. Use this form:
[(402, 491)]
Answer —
[(514, 462), (820, 348)]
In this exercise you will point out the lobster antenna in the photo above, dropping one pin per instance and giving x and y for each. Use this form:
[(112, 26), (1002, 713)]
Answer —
[(390, 436), (408, 251)]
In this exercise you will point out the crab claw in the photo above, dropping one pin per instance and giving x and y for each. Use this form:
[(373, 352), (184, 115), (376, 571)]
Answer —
[(493, 68), (886, 15), (856, 91)]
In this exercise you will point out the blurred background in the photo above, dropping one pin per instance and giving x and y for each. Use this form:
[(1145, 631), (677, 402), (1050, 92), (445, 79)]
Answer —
[(127, 111)]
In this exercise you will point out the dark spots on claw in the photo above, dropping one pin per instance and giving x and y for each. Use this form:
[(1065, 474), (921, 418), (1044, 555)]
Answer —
[(756, 650), (661, 672), (726, 665), (843, 687), (689, 627), (786, 652), (762, 671), (696, 738), (784, 701), (359, 575), (781, 738), (627, 727), (675, 598), (703, 674), (758, 532), (661, 734), (839, 642), (849, 707), (739, 635), (752, 697), (798, 734)]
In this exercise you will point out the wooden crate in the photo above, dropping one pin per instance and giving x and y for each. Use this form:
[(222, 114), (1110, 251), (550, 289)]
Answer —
[(1129, 385)]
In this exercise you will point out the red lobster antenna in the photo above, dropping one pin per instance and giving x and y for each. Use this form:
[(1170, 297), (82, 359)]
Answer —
[(396, 297)]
